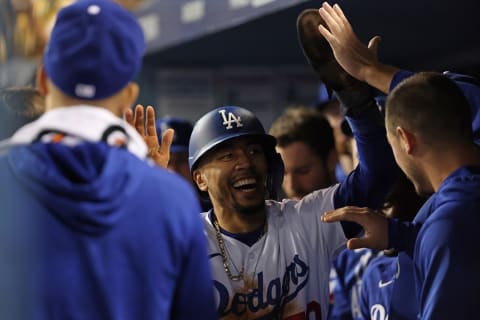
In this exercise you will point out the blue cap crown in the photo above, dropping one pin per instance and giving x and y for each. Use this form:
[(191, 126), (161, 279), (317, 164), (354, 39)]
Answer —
[(95, 49)]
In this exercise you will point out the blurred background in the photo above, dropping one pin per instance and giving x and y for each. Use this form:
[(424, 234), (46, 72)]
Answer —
[(206, 53)]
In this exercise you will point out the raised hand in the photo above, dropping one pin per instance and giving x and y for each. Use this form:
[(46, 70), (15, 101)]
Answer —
[(349, 51), (357, 59), (145, 126), (375, 226)]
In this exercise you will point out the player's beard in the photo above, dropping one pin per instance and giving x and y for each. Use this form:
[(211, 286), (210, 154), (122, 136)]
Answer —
[(253, 208), (249, 210)]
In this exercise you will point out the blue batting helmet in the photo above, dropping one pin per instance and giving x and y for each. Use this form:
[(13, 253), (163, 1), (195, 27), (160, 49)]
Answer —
[(229, 122)]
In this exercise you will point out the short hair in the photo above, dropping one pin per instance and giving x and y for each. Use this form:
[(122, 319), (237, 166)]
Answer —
[(432, 106), (18, 106), (302, 124)]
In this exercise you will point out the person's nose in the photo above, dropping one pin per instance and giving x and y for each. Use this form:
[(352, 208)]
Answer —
[(244, 159)]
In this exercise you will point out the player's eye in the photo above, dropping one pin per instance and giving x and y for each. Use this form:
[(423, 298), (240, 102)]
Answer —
[(303, 170), (225, 156), (255, 149)]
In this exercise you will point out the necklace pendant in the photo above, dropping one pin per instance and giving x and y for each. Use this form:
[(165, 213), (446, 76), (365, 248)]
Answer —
[(238, 277)]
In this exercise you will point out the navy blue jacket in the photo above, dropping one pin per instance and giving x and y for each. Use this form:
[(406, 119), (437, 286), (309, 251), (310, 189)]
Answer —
[(441, 240)]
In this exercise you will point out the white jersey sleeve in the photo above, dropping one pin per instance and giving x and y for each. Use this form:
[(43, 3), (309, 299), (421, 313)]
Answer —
[(309, 211)]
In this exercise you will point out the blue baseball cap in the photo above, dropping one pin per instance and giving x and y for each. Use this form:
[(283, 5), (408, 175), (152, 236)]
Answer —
[(95, 49), (183, 130)]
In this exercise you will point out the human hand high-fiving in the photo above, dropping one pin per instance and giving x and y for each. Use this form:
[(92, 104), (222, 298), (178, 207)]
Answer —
[(375, 226), (145, 126), (349, 51)]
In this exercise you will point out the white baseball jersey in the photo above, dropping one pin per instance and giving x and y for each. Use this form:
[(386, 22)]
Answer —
[(286, 272)]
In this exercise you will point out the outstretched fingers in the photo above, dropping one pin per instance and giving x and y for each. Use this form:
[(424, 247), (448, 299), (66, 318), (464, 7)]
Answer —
[(138, 120), (352, 55), (330, 17), (143, 120), (341, 18), (128, 116), (164, 151), (150, 123), (374, 224), (348, 213)]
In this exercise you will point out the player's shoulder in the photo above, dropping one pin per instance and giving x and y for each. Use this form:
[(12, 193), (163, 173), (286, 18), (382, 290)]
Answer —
[(317, 201)]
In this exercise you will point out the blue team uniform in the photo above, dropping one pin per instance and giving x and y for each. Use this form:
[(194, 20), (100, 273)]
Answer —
[(376, 290), (91, 231), (440, 238), (349, 267), (383, 302), (388, 289)]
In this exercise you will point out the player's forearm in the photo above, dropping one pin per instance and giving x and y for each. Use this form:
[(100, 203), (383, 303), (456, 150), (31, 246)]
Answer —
[(380, 76), (369, 183)]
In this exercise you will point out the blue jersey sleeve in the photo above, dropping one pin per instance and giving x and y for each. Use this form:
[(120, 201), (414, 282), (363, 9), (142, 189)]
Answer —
[(398, 77), (340, 310), (447, 265), (350, 266), (372, 179), (402, 235)]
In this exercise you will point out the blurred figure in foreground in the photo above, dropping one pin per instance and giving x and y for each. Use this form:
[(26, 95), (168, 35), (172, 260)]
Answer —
[(86, 229)]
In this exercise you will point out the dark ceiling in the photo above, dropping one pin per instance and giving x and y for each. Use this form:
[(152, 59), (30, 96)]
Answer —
[(418, 35)]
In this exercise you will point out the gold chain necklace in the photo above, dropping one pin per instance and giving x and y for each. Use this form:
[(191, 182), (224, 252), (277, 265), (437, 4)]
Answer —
[(223, 252)]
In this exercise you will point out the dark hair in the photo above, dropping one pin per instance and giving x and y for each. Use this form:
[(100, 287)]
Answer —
[(305, 125), (431, 105), (18, 106)]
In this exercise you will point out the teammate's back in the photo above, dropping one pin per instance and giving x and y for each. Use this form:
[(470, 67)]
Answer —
[(116, 239)]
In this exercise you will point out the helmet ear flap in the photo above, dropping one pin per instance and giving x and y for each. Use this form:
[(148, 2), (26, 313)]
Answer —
[(275, 176)]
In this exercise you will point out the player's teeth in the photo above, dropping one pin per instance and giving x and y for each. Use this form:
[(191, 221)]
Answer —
[(243, 182)]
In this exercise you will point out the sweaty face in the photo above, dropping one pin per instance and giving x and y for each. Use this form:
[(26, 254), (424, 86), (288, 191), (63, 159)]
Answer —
[(305, 171), (234, 175)]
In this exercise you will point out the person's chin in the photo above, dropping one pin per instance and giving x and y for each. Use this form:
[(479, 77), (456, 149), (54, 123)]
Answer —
[(250, 208)]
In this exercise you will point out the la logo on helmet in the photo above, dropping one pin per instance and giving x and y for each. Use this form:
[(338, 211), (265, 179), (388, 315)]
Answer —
[(229, 119)]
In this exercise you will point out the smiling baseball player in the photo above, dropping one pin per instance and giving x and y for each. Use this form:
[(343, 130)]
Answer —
[(270, 259)]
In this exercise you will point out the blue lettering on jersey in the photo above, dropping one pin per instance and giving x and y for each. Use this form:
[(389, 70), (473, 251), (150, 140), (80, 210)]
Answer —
[(278, 291)]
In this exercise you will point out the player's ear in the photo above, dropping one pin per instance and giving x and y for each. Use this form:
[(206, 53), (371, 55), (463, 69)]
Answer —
[(407, 139), (200, 180), (41, 80)]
